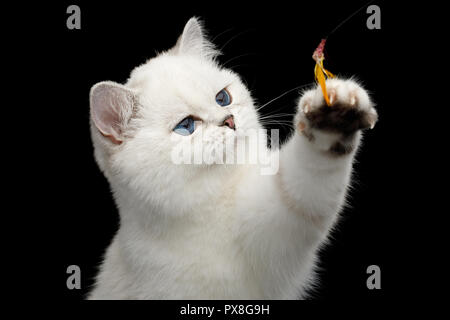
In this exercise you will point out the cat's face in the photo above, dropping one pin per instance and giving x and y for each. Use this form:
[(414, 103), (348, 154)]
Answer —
[(179, 99), (186, 101)]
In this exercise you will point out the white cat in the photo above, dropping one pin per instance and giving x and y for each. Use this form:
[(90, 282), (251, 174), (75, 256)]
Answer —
[(217, 231)]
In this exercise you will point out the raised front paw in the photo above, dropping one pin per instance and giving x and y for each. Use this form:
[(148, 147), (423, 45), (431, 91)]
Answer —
[(350, 111)]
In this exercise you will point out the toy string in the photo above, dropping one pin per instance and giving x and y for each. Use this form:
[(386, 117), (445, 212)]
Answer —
[(349, 17)]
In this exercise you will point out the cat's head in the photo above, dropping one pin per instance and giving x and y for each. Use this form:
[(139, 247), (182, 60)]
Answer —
[(174, 99)]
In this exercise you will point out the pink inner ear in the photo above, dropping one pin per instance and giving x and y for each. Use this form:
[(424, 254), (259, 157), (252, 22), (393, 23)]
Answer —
[(107, 102)]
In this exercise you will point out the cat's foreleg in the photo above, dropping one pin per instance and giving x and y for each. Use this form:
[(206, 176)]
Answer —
[(289, 220), (316, 164)]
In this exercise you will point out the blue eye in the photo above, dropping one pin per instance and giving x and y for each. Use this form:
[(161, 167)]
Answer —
[(185, 127), (223, 98)]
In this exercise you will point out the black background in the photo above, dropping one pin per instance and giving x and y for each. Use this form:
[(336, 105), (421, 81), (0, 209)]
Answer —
[(270, 46)]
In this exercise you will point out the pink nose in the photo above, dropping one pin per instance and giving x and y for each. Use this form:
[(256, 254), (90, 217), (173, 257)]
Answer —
[(229, 122)]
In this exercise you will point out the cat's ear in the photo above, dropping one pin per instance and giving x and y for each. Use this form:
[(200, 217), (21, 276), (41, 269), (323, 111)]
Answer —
[(194, 42), (112, 106)]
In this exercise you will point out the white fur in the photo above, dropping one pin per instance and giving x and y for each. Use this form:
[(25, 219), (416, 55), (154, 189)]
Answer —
[(213, 231)]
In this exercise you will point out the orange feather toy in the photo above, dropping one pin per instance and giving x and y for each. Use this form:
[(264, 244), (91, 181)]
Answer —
[(320, 73)]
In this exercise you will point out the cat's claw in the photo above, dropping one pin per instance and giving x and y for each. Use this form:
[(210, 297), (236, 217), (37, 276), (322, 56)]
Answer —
[(332, 96), (352, 99)]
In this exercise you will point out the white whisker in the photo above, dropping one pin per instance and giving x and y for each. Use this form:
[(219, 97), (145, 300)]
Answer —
[(282, 95)]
